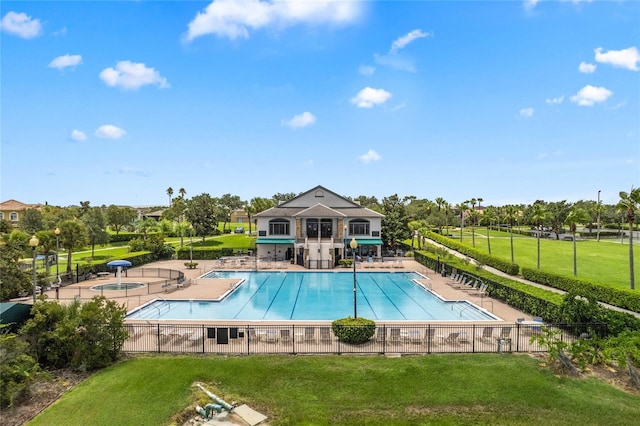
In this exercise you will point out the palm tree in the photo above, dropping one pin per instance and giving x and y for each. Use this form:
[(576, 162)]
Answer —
[(488, 216), (539, 214), (182, 192), (462, 208), (447, 209), (473, 215), (576, 215), (250, 210), (628, 204), (510, 215), (169, 193)]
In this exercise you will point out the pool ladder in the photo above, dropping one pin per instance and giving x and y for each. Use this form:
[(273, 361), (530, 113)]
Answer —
[(464, 308)]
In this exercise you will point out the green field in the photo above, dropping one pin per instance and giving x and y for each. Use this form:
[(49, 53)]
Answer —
[(342, 390), (605, 262)]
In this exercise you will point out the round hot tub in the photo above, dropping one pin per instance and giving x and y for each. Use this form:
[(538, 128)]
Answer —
[(117, 286)]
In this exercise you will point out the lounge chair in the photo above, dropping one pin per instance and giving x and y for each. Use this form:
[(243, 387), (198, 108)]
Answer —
[(505, 333), (325, 335), (452, 338), (285, 335), (381, 334), (486, 335), (310, 334), (482, 291), (196, 337), (395, 335), (429, 334)]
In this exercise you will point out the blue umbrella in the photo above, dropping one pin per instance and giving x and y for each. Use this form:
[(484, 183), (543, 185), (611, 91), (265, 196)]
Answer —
[(119, 264)]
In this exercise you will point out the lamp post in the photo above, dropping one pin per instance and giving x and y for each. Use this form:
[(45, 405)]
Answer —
[(57, 232), (354, 245), (190, 243), (598, 219), (33, 242)]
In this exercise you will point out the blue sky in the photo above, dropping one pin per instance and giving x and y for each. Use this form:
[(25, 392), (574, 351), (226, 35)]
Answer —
[(509, 101)]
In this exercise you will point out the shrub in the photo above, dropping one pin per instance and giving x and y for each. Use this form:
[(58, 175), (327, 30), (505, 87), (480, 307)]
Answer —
[(17, 369), (345, 262), (353, 330)]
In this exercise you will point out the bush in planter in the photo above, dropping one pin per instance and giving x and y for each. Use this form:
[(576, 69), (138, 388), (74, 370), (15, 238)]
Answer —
[(345, 263), (353, 330), (191, 265)]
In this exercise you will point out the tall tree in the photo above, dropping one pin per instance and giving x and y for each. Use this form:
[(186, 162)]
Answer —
[(261, 204), (510, 215), (576, 216), (227, 204), (119, 217), (145, 226), (46, 240), (170, 194), (462, 209), (202, 212), (281, 198), (488, 216), (31, 221), (368, 202), (394, 224), (558, 214), (249, 210), (629, 204), (96, 228), (73, 234), (182, 192), (539, 214), (473, 218)]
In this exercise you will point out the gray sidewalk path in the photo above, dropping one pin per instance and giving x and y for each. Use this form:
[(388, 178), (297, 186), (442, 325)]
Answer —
[(522, 280)]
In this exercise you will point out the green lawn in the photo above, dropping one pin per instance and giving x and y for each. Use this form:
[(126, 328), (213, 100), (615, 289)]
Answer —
[(329, 390), (606, 261)]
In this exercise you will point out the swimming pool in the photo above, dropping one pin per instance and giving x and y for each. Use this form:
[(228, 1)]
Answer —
[(317, 296)]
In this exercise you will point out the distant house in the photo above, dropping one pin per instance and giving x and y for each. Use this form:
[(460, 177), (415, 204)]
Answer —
[(239, 216), (155, 215), (13, 210), (315, 228)]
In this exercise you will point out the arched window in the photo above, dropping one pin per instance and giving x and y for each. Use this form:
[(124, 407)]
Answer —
[(279, 227), (359, 227)]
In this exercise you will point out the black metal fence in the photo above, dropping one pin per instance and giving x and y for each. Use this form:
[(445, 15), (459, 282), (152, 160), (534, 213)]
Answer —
[(318, 339)]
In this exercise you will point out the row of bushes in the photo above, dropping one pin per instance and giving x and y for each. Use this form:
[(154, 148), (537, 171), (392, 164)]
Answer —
[(621, 298), (206, 253), (123, 237), (493, 261), (535, 301)]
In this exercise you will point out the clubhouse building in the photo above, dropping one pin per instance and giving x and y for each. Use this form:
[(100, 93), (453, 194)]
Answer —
[(315, 229)]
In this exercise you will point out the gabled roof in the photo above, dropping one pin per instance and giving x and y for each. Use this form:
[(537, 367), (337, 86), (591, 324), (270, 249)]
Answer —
[(319, 210), (318, 189), (16, 205)]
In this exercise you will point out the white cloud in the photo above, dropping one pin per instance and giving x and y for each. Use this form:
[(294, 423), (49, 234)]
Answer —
[(395, 61), (65, 61), (109, 131), (132, 75), (586, 68), (78, 135), (21, 24), (61, 32), (370, 156), (526, 112), (369, 97), (236, 18), (126, 170), (554, 101), (530, 4), (301, 120), (366, 70), (589, 95), (402, 42), (625, 58)]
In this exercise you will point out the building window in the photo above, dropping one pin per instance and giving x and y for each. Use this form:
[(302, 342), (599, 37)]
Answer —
[(13, 216), (359, 227), (1, 216), (279, 227), (319, 194)]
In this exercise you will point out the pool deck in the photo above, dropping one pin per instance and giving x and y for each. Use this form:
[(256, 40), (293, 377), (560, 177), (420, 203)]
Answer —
[(216, 288)]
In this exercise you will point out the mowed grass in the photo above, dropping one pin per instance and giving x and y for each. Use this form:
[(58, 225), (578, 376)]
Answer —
[(605, 262), (330, 390)]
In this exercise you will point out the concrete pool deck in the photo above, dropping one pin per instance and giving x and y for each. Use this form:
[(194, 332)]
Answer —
[(215, 288)]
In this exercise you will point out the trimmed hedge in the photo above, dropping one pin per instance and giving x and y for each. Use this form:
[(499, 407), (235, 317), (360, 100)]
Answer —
[(626, 299), (123, 237), (353, 330), (206, 253), (493, 261)]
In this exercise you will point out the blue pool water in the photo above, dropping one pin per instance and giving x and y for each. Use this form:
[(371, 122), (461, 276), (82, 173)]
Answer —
[(317, 296)]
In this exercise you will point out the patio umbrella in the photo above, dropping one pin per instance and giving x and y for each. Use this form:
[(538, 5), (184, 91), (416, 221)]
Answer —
[(119, 264)]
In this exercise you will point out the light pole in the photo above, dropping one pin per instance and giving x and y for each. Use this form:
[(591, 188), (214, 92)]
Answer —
[(33, 242), (190, 243), (598, 219), (354, 245), (57, 232)]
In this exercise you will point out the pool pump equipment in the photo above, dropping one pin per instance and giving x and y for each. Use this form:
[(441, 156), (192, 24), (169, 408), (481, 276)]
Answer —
[(209, 409)]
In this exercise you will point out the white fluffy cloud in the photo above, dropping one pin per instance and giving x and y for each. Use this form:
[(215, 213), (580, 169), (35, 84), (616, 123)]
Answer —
[(65, 61), (21, 24), (401, 42), (370, 156), (589, 95), (625, 58), (109, 131), (586, 68), (236, 18), (301, 120), (554, 101), (78, 135), (368, 97), (526, 112), (132, 75)]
